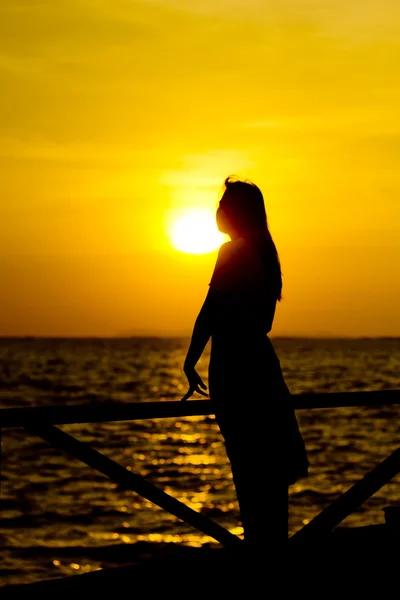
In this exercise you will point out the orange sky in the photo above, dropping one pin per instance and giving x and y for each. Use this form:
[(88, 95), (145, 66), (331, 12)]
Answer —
[(116, 115)]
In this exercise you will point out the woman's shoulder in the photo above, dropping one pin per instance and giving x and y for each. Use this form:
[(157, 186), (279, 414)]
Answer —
[(238, 252), (235, 265), (232, 248)]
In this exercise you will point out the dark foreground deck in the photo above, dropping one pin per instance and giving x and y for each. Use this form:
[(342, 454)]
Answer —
[(348, 562)]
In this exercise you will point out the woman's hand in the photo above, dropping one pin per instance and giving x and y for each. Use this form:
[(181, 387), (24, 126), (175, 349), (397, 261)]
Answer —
[(195, 383)]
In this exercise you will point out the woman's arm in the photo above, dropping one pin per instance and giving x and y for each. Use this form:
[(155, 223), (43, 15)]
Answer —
[(200, 336)]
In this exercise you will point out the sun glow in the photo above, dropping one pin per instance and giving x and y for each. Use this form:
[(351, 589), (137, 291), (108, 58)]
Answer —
[(195, 232)]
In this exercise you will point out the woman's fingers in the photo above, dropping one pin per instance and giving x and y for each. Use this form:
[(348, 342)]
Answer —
[(200, 382), (191, 391), (202, 393), (198, 390), (187, 395), (195, 383), (195, 380)]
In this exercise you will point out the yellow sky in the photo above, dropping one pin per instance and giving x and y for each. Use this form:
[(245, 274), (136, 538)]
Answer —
[(117, 114)]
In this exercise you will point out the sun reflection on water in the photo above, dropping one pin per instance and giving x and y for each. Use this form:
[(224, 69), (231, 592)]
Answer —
[(194, 459)]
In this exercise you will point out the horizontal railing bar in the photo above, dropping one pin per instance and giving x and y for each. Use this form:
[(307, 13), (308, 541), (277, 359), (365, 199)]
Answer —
[(121, 411)]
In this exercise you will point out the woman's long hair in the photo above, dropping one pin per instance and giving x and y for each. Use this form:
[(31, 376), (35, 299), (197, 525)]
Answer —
[(243, 205)]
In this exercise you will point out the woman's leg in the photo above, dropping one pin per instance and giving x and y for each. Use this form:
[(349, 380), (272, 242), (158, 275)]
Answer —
[(260, 480), (263, 501)]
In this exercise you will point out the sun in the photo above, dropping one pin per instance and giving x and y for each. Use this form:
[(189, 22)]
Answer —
[(195, 232)]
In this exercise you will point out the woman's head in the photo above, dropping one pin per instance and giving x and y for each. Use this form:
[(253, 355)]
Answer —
[(241, 210), (241, 213)]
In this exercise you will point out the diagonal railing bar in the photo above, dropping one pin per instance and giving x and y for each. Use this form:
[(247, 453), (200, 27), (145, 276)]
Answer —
[(132, 481), (354, 497)]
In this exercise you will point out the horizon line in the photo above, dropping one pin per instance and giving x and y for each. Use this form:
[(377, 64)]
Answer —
[(185, 336)]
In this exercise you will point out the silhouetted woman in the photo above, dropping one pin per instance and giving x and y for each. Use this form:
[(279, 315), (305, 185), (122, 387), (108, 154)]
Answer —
[(251, 400)]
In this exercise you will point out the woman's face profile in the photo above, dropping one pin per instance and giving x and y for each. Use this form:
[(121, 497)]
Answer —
[(222, 220)]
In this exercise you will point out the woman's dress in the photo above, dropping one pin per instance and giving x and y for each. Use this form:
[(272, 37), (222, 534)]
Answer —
[(251, 400)]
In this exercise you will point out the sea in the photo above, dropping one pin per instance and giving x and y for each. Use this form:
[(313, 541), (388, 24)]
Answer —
[(58, 517)]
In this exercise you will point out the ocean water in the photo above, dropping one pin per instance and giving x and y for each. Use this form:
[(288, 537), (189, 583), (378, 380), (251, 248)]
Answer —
[(58, 517)]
